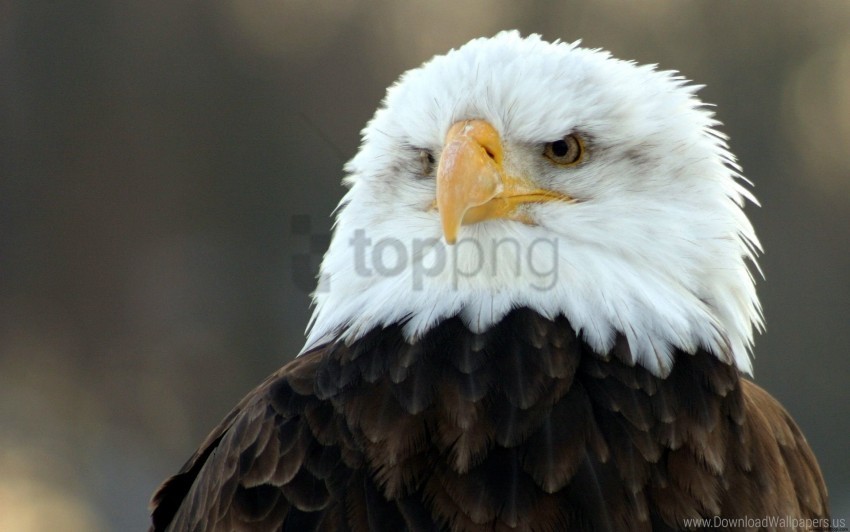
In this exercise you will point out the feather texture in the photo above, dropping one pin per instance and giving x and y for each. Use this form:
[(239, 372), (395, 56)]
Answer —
[(523, 427)]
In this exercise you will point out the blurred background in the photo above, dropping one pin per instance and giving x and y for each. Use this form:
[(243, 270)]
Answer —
[(167, 172)]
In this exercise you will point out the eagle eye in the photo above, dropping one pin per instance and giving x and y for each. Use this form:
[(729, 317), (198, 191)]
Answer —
[(566, 151), (426, 159)]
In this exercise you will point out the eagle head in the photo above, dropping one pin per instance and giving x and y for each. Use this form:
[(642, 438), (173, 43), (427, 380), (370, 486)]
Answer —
[(514, 172)]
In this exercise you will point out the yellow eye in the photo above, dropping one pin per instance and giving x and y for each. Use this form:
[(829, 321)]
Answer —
[(566, 152)]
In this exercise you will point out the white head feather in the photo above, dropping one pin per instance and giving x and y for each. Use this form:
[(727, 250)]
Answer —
[(655, 248)]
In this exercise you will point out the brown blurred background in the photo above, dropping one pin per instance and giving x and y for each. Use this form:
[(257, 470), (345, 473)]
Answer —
[(168, 168)]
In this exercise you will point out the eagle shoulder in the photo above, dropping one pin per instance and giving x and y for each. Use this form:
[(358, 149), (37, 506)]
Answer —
[(271, 463)]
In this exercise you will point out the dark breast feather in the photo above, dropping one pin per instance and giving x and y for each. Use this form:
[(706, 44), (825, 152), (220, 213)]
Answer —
[(519, 428)]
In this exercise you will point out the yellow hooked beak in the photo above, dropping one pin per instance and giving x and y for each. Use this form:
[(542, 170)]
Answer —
[(472, 185)]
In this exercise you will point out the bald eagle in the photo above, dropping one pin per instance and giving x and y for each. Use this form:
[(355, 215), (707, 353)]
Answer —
[(536, 313)]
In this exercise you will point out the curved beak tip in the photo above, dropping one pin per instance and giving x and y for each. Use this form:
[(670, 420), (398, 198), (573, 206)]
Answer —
[(451, 221)]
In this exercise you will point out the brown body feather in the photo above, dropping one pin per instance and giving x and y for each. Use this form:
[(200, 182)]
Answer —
[(519, 428)]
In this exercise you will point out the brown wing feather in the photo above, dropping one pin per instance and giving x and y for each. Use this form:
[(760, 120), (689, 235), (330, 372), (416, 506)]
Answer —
[(278, 461), (783, 477), (519, 428)]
